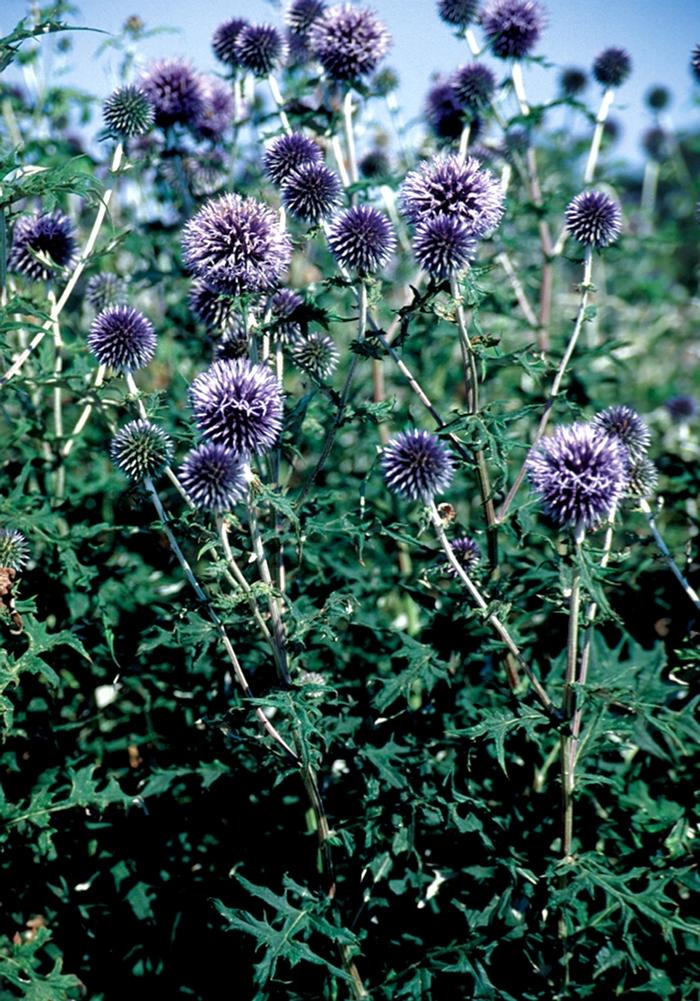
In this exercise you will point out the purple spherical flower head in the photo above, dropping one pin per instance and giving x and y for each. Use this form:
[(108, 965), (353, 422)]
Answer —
[(239, 405), (217, 110), (286, 154), (695, 62), (361, 239), (467, 552), (612, 67), (175, 91), (579, 475), (458, 12), (447, 186), (443, 111), (141, 449), (106, 289), (375, 163), (214, 477), (594, 219), (14, 550), (283, 305), (682, 408), (316, 354), (236, 245), (312, 192), (512, 27), (642, 477), (128, 112), (52, 236), (233, 343), (349, 42), (573, 81), (656, 142), (224, 40), (474, 86), (626, 426), (301, 14), (216, 311), (122, 338), (260, 49), (417, 465), (443, 246)]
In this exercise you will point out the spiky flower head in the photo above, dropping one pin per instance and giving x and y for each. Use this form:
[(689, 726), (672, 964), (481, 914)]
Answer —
[(260, 49), (626, 426), (467, 553), (312, 192), (175, 91), (642, 477), (458, 12), (695, 62), (656, 142), (594, 219), (417, 465), (361, 239), (106, 289), (206, 172), (316, 354), (214, 477), (141, 449), (51, 236), (658, 97), (447, 186), (224, 40), (233, 343), (283, 305), (216, 311), (682, 408), (443, 246), (128, 112), (14, 550), (579, 475), (612, 66), (349, 42), (301, 14), (375, 163), (474, 85), (443, 111), (216, 114), (512, 27), (239, 405), (122, 337), (573, 81), (287, 153), (236, 245)]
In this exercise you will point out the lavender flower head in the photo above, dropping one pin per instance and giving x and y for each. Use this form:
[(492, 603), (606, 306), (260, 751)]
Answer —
[(14, 550), (141, 449), (224, 40), (458, 12), (579, 475), (106, 289), (301, 15), (361, 239), (443, 111), (239, 405), (626, 426), (122, 338), (284, 304), (236, 245), (594, 219), (467, 553), (611, 67), (642, 477), (512, 27), (316, 354), (349, 42), (573, 81), (474, 86), (217, 312), (682, 408), (447, 186), (52, 236), (175, 91), (287, 153), (312, 192), (443, 246), (260, 49), (695, 62), (214, 477), (217, 110), (128, 112), (417, 465), (233, 343)]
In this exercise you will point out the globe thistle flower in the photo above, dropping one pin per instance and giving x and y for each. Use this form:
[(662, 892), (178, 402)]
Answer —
[(233, 343), (512, 27), (655, 142), (214, 477), (175, 91), (459, 13), (283, 306), (260, 49), (682, 408), (361, 239), (447, 186), (122, 338), (311, 192), (217, 312), (695, 62), (349, 42), (375, 163), (384, 82), (417, 465), (474, 86), (128, 112), (298, 51), (443, 111), (317, 355), (594, 219), (206, 172), (467, 553), (224, 40), (573, 81), (642, 478), (612, 67), (141, 449), (443, 246), (626, 426), (239, 405), (287, 153), (216, 114), (301, 14), (579, 475), (612, 130), (236, 245), (658, 97), (106, 289), (14, 550), (51, 236)]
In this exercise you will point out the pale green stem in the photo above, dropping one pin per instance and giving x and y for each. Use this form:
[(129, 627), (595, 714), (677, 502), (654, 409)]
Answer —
[(278, 630), (670, 562), (279, 103), (350, 137), (57, 396), (601, 118), (85, 415), (516, 74)]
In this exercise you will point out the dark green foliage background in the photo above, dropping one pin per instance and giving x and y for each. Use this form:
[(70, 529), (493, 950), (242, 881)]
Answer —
[(166, 845)]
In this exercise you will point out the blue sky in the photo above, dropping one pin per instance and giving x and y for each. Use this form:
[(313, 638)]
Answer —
[(658, 35)]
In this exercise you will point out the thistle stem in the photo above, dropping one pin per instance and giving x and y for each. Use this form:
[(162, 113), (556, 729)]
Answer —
[(350, 137), (57, 396), (278, 630), (670, 562), (279, 103), (603, 111)]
